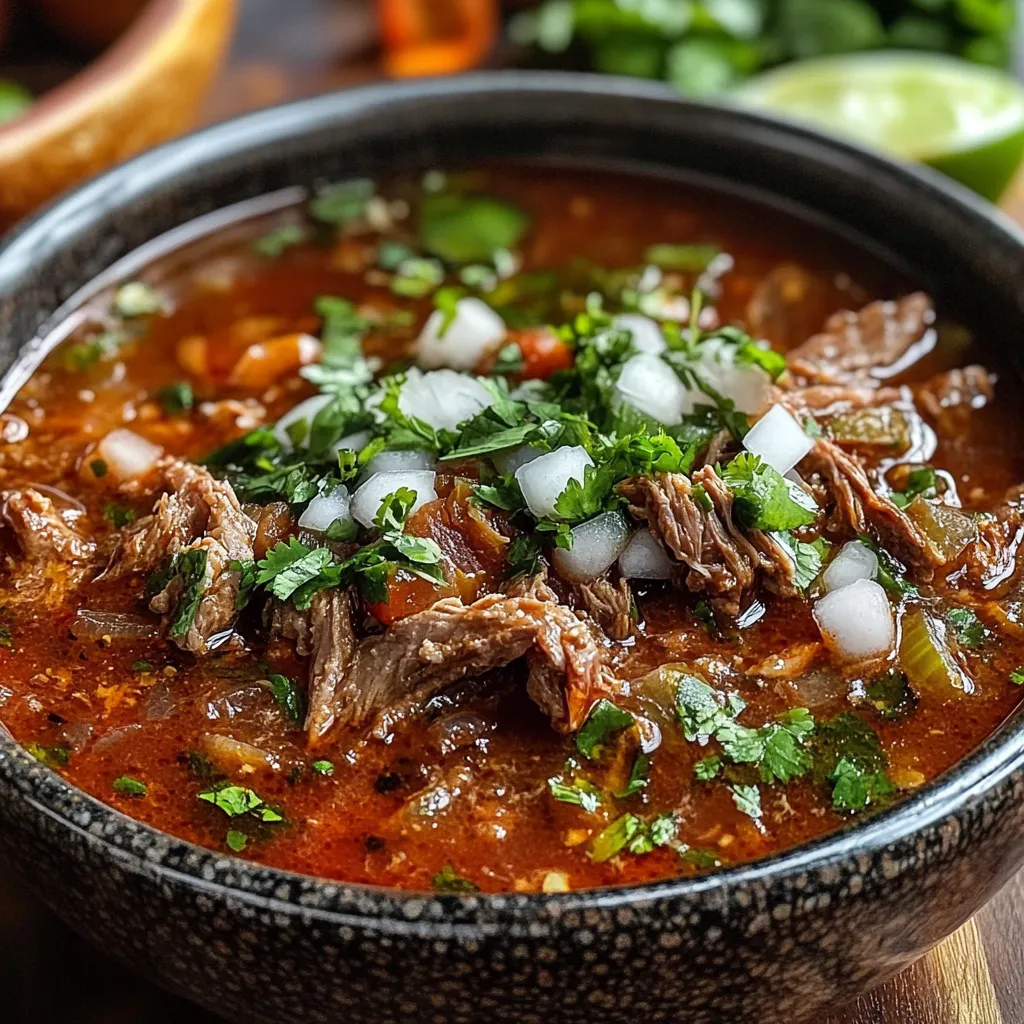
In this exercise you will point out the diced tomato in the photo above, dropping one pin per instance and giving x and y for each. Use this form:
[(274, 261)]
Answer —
[(543, 352)]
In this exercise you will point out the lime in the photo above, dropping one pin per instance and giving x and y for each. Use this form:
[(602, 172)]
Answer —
[(963, 119)]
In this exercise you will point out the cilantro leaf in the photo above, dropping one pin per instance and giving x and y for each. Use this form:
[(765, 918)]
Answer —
[(176, 398), (969, 629), (747, 800), (287, 695), (579, 792), (855, 788), (921, 482), (692, 258), (125, 785), (604, 721), (236, 841), (290, 565), (808, 557), (448, 880), (189, 568), (234, 801), (764, 499), (275, 242), (891, 695), (323, 767), (1017, 676), (343, 203)]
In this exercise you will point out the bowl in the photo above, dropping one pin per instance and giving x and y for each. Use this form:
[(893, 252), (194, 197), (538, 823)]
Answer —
[(145, 88), (778, 940)]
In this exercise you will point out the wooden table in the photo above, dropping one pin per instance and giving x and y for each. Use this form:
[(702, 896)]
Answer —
[(291, 48)]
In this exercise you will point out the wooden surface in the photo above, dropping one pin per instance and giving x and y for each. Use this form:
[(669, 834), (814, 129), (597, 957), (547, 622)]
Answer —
[(291, 48)]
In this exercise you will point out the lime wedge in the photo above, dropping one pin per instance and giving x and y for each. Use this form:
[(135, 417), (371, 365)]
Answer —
[(963, 119)]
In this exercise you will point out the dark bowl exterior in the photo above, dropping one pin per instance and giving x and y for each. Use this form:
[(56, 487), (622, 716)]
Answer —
[(779, 940)]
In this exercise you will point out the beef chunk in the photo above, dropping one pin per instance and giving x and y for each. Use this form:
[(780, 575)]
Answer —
[(610, 605), (950, 398), (197, 513), (56, 555), (857, 507), (853, 344), (720, 559), (391, 676), (332, 643)]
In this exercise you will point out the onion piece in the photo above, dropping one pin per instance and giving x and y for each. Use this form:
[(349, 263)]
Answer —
[(127, 455), (856, 622), (644, 558), (399, 460), (595, 546), (368, 497), (543, 480), (473, 332), (745, 384), (443, 398), (352, 442), (510, 459), (650, 385), (647, 333), (854, 562), (324, 509), (306, 410), (777, 439)]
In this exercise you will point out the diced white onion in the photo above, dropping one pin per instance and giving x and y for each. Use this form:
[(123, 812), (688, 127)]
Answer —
[(856, 621), (651, 386), (127, 455), (325, 508), (306, 410), (778, 439), (443, 398), (854, 562), (746, 384), (509, 460), (543, 480), (595, 546), (647, 334), (474, 331), (367, 500), (352, 442), (399, 460), (644, 558)]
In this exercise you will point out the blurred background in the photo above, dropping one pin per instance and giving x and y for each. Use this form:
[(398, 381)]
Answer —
[(85, 83)]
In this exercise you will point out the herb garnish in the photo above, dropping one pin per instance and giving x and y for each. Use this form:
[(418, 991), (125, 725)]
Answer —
[(125, 785), (448, 880)]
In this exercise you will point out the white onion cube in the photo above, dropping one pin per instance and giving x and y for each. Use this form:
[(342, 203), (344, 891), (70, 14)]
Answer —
[(127, 454), (474, 331), (595, 546), (510, 459), (854, 562), (543, 480), (650, 385), (644, 558), (856, 622), (368, 497), (647, 334), (778, 440), (443, 398), (399, 459), (352, 442), (324, 509)]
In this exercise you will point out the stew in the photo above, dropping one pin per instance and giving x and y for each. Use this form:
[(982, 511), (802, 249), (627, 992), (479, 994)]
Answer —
[(510, 529)]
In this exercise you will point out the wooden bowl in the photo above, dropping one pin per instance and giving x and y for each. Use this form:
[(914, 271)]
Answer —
[(144, 89)]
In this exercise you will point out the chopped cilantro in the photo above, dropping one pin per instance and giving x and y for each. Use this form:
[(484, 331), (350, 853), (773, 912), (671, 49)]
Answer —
[(764, 499), (578, 792), (969, 629), (275, 242), (747, 800), (190, 569), (287, 695), (509, 361), (524, 556), (692, 258), (707, 768), (417, 277), (125, 785), (469, 229), (638, 777), (604, 721), (83, 355), (391, 254), (698, 858), (176, 398), (633, 834), (702, 710), (52, 757), (118, 515), (849, 756), (99, 468), (808, 557), (142, 666), (137, 299), (236, 801), (891, 575), (891, 695), (290, 565), (1017, 676), (236, 841), (343, 203), (448, 880), (921, 482), (323, 767), (6, 640), (855, 788)]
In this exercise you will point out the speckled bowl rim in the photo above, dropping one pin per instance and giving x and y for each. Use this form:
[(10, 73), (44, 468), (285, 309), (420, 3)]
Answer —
[(136, 847)]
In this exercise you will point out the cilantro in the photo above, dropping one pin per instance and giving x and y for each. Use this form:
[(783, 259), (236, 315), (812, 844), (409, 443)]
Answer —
[(99, 468), (776, 749), (343, 203), (448, 880), (236, 801), (6, 640), (891, 695), (323, 767), (1017, 676), (274, 243), (391, 254), (604, 721), (236, 841), (190, 569), (52, 757), (342, 529), (808, 557), (578, 792), (702, 710), (764, 499), (125, 785), (524, 556), (921, 482), (691, 258), (638, 777), (849, 756), (118, 515), (287, 695), (417, 277), (891, 575), (707, 768), (509, 361), (697, 858), (290, 565), (855, 788), (633, 834), (246, 581), (747, 800), (199, 766), (83, 355), (811, 427), (142, 666), (176, 398), (469, 229), (446, 300), (706, 617), (504, 494), (137, 299), (773, 363), (969, 629)]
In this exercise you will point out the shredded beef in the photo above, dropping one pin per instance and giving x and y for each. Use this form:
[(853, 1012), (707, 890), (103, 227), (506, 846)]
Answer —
[(853, 344), (721, 559), (284, 621), (610, 605), (197, 512), (950, 398), (991, 561), (392, 676), (332, 642), (857, 506)]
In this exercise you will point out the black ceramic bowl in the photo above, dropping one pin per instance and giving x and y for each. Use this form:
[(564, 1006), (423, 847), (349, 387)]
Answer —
[(774, 941)]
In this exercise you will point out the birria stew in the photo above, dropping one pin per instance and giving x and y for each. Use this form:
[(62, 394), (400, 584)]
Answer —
[(510, 530)]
